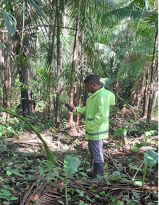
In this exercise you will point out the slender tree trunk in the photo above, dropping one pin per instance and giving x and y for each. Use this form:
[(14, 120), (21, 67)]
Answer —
[(74, 59), (4, 78), (4, 81), (118, 82), (58, 63), (22, 50), (82, 65), (117, 88), (9, 64), (51, 70), (153, 80), (155, 100), (23, 78), (145, 95)]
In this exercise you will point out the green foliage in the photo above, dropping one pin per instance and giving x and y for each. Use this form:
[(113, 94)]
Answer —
[(6, 194), (126, 12), (138, 146), (10, 22), (12, 171), (51, 159), (71, 165), (36, 5), (3, 45), (150, 158)]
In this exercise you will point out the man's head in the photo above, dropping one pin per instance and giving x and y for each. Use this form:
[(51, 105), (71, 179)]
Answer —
[(92, 83)]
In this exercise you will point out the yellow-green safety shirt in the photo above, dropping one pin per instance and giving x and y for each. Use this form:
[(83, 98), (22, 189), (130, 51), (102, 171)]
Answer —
[(96, 114)]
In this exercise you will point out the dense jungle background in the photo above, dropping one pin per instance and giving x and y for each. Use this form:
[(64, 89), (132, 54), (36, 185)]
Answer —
[(47, 48)]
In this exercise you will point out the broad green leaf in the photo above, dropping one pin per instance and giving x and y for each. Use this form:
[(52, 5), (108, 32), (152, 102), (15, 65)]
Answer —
[(10, 22), (134, 148), (138, 182), (71, 165), (137, 146), (121, 132), (151, 158), (119, 202), (3, 45)]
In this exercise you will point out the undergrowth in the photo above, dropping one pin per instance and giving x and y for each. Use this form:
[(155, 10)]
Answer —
[(20, 170)]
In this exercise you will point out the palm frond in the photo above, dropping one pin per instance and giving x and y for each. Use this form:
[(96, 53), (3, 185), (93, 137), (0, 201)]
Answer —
[(125, 12), (49, 155), (135, 66), (35, 5), (10, 22)]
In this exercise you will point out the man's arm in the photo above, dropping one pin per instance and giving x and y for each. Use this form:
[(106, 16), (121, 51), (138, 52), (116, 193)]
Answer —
[(77, 110), (81, 111)]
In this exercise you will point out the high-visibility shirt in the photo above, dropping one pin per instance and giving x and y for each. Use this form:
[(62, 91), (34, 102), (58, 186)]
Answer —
[(96, 114)]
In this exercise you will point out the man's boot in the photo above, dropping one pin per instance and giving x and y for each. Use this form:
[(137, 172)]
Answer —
[(98, 172)]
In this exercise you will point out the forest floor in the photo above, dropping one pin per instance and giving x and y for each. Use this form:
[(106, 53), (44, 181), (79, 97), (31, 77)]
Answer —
[(26, 179)]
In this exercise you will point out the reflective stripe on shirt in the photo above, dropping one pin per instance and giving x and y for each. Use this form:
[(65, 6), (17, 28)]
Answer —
[(89, 119), (97, 133)]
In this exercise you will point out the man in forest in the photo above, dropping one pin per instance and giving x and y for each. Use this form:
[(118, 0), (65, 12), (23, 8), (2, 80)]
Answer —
[(96, 114)]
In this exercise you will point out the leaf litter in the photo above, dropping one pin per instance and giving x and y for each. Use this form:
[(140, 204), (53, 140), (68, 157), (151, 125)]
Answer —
[(42, 185)]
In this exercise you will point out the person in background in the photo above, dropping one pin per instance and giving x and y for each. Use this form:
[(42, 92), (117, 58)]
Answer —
[(96, 114)]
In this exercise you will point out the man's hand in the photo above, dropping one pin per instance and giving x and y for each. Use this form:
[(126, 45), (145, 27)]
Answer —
[(70, 108), (74, 109)]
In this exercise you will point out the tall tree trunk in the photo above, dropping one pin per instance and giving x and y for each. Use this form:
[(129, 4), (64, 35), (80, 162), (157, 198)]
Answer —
[(145, 95), (8, 67), (23, 78), (4, 80), (82, 65), (58, 63), (153, 80), (51, 70), (74, 59), (22, 50), (4, 90)]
